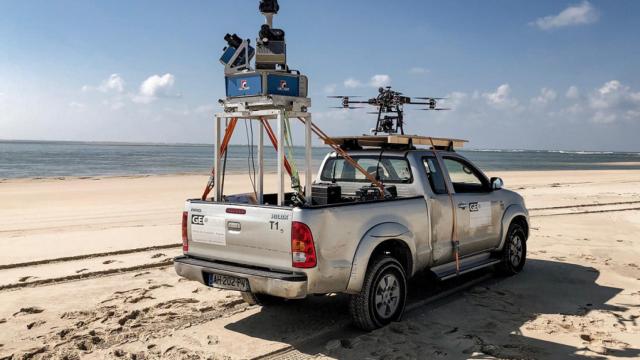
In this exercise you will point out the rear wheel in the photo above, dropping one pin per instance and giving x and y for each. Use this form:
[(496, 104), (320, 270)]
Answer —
[(261, 299), (514, 253), (383, 295)]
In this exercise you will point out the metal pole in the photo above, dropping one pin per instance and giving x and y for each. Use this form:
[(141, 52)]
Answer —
[(216, 159), (308, 159), (261, 165), (280, 119)]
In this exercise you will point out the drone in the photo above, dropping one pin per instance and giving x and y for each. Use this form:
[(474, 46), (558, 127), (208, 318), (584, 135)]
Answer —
[(390, 104)]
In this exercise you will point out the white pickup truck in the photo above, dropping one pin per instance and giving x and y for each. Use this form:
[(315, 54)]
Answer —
[(365, 248)]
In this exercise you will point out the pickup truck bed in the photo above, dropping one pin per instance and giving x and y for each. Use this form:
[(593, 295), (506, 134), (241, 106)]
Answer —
[(261, 239)]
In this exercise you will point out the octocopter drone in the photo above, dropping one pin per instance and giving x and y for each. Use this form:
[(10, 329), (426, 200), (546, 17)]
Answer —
[(391, 102)]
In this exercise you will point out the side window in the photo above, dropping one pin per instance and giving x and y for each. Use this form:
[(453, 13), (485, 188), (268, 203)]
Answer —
[(464, 177), (434, 174)]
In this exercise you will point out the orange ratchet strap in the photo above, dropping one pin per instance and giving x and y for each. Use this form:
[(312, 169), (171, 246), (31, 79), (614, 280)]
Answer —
[(223, 149), (274, 141), (322, 135)]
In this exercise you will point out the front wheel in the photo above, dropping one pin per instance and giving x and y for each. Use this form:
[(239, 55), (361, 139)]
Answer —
[(514, 253), (383, 295)]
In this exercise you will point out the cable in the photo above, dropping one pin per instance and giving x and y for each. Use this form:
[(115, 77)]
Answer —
[(249, 157), (224, 171), (253, 159), (295, 176)]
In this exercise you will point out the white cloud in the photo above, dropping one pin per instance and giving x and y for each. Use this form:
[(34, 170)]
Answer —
[(157, 85), (330, 89), (153, 87), (417, 70), (114, 84), (455, 99), (352, 83), (546, 96), (380, 80), (572, 93), (376, 81), (613, 100), (501, 98), (579, 14)]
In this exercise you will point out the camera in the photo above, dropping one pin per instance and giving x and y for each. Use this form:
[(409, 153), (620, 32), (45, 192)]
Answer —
[(237, 54), (269, 6)]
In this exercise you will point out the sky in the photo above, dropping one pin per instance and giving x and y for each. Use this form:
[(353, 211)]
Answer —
[(517, 74)]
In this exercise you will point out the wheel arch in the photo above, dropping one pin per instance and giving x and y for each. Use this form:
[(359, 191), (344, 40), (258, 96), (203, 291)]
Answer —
[(386, 238), (514, 213)]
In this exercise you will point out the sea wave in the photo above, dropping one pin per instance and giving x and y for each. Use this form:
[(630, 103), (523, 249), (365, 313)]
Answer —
[(582, 152)]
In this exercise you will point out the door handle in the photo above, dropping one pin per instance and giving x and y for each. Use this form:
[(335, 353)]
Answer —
[(462, 206)]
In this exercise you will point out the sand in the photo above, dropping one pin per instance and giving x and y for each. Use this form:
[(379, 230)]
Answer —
[(85, 273)]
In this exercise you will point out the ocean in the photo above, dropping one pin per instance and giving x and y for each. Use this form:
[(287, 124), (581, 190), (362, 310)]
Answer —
[(45, 159)]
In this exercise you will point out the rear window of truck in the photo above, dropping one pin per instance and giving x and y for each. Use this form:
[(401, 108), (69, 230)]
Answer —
[(387, 169)]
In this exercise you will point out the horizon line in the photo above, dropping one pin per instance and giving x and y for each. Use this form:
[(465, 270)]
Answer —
[(151, 143)]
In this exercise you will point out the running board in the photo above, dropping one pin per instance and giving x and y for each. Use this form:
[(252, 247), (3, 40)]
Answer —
[(472, 263)]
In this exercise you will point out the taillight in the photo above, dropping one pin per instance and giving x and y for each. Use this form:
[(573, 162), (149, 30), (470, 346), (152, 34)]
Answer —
[(236, 211), (185, 241), (303, 252)]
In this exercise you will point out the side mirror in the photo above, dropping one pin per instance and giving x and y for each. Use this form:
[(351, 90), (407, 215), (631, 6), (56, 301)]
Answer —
[(496, 183)]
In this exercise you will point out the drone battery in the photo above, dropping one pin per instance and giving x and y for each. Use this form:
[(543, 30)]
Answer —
[(326, 194)]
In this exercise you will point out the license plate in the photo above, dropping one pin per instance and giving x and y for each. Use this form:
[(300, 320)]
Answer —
[(228, 282)]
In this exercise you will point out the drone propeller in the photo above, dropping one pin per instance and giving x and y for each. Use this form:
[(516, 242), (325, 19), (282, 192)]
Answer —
[(436, 109), (343, 96), (347, 107), (430, 98)]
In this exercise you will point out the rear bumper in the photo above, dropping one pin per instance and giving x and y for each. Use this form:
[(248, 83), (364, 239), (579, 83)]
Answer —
[(289, 285)]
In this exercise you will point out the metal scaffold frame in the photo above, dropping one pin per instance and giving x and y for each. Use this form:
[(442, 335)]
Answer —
[(264, 116)]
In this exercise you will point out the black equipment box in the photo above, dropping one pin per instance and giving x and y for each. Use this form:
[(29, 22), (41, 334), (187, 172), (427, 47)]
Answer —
[(368, 193), (371, 193), (326, 194)]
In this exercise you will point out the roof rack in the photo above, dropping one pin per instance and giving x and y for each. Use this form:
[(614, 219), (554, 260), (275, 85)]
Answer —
[(396, 140)]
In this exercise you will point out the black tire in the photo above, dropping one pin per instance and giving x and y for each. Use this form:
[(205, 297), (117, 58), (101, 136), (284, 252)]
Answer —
[(514, 253), (261, 299), (383, 295)]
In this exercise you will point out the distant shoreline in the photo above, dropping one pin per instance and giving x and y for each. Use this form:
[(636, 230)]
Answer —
[(179, 144), (236, 174)]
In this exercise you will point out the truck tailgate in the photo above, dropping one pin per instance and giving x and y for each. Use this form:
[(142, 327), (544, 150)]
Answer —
[(257, 236)]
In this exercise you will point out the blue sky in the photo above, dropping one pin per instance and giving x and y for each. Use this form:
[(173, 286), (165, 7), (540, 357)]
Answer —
[(519, 74)]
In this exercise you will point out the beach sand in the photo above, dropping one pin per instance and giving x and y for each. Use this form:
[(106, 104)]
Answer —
[(85, 272)]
